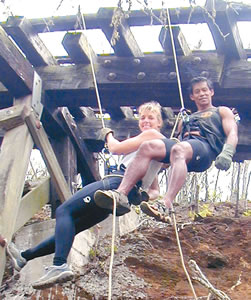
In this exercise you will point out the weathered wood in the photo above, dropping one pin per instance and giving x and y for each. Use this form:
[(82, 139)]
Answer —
[(124, 80), (120, 113), (225, 30), (14, 159), (125, 45), (32, 202), (67, 159), (21, 30), (237, 75), (136, 18), (12, 117), (86, 162), (16, 72), (41, 140), (78, 48), (181, 46)]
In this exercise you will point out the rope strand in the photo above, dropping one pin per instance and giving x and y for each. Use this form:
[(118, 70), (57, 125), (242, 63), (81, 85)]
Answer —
[(83, 26)]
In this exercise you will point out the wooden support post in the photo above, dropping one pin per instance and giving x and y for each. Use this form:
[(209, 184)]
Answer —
[(14, 159), (32, 202), (67, 158), (41, 140)]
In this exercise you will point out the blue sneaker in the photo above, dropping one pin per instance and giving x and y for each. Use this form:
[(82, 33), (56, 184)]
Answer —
[(54, 274), (17, 260)]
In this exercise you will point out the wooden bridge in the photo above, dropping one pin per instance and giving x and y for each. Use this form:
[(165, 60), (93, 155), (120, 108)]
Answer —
[(50, 102)]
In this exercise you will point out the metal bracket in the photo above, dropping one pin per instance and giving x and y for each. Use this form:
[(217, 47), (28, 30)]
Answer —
[(36, 95)]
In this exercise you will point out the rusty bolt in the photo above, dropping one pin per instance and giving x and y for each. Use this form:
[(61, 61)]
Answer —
[(112, 76), (164, 61), (136, 61), (197, 59), (204, 74), (38, 124), (107, 62), (141, 75), (172, 75)]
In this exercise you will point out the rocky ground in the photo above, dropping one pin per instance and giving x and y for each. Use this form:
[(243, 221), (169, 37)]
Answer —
[(147, 263)]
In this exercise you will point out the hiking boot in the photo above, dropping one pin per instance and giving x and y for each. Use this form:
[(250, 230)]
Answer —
[(54, 274), (17, 260), (105, 199), (151, 211)]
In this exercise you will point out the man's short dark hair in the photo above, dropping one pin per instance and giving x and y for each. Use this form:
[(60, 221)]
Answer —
[(197, 80)]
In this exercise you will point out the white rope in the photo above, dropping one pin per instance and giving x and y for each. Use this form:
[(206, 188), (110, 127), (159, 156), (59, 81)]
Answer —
[(181, 254), (175, 59), (93, 71), (182, 107), (103, 125), (201, 278), (112, 246)]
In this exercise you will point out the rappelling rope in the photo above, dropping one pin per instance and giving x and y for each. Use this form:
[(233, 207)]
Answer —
[(181, 113), (82, 24)]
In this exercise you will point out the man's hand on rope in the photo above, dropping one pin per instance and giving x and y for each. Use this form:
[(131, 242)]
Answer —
[(103, 133), (224, 159)]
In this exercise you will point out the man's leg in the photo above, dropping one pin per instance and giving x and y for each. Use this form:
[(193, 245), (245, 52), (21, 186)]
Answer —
[(181, 154), (149, 150)]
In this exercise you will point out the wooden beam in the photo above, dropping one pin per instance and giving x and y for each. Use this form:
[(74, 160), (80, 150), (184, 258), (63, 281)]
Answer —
[(237, 75), (14, 159), (124, 79), (78, 48), (22, 32), (41, 140), (16, 72), (32, 202), (224, 29), (120, 113), (12, 117), (193, 15), (126, 44), (86, 162), (67, 159), (181, 45)]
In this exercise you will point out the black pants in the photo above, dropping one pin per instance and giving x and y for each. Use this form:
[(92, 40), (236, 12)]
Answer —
[(73, 216)]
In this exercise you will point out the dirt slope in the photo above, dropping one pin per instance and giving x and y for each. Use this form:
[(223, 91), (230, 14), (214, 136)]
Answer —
[(147, 264)]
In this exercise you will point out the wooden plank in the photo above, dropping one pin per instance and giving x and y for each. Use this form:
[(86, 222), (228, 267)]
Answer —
[(41, 140), (86, 162), (12, 117), (125, 45), (179, 15), (125, 79), (32, 202), (14, 159), (237, 75), (22, 32), (67, 159), (181, 45), (16, 72), (225, 30), (82, 112), (120, 113), (78, 48)]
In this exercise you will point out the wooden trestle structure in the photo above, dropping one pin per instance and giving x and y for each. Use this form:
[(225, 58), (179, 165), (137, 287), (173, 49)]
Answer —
[(51, 102)]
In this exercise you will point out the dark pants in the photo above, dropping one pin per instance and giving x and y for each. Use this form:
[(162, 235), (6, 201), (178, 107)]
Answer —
[(73, 216)]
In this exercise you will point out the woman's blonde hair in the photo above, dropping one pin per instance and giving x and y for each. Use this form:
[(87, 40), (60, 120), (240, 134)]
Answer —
[(152, 106)]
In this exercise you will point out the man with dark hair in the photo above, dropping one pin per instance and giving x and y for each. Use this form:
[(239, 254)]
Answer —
[(206, 135)]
